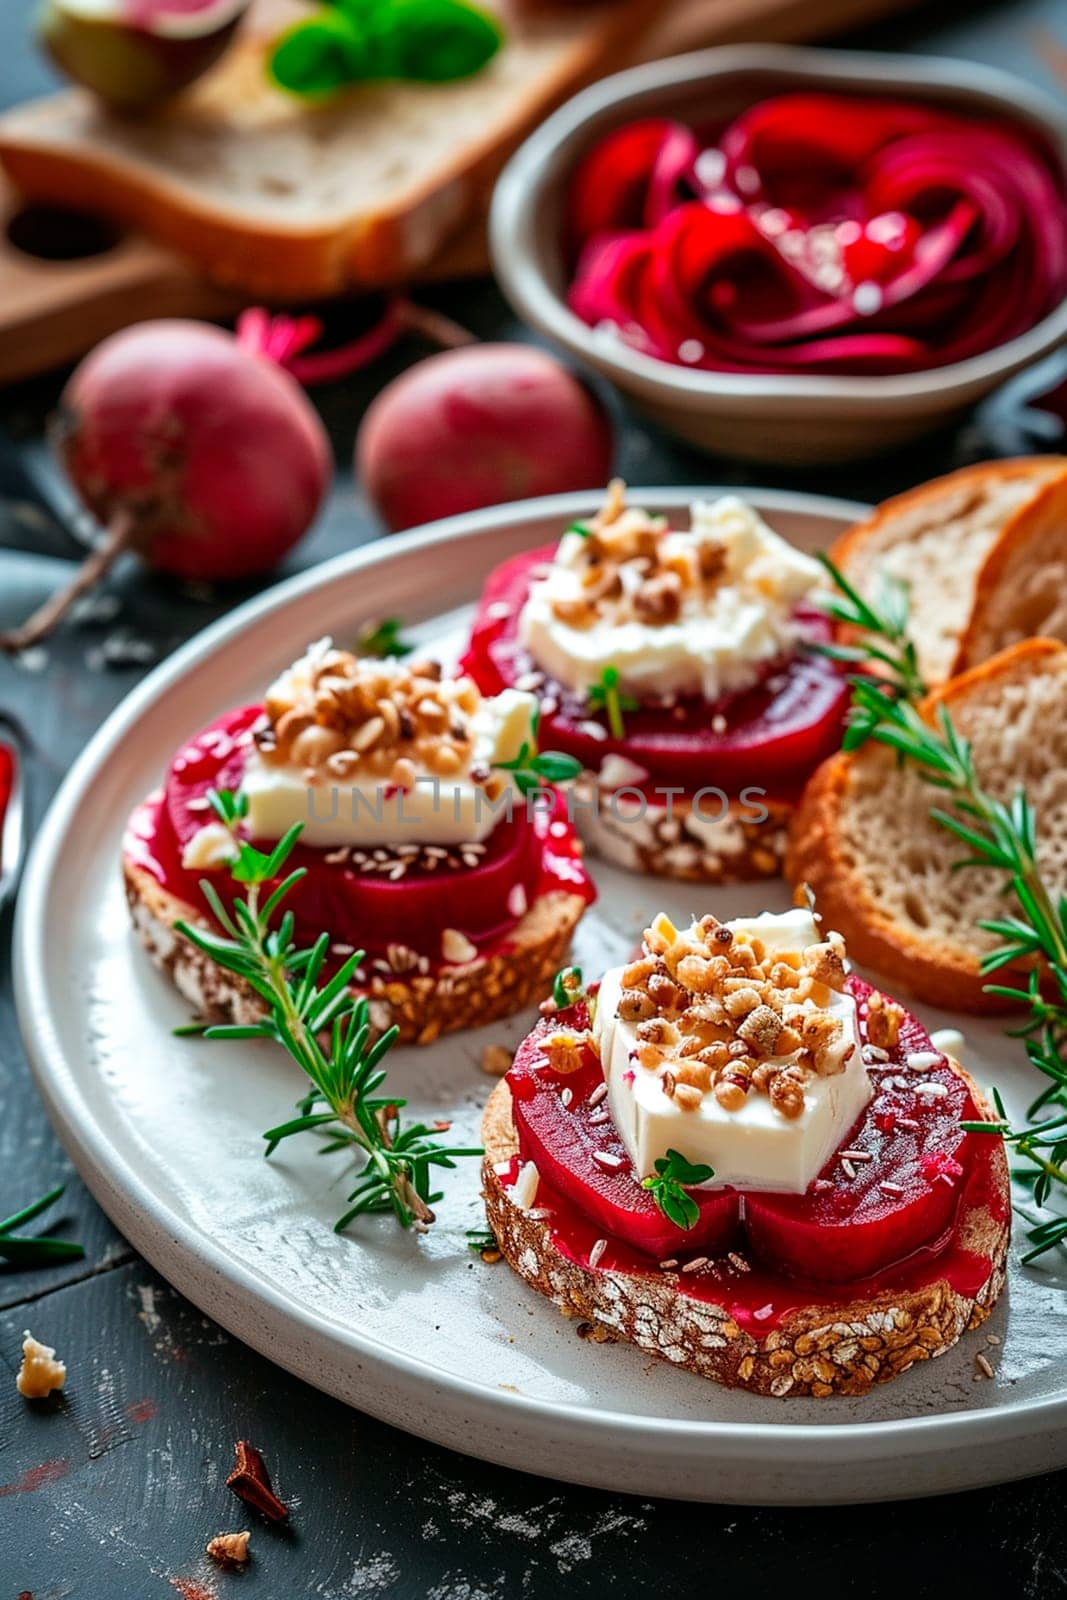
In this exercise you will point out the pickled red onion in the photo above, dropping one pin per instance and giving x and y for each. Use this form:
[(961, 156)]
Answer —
[(821, 233)]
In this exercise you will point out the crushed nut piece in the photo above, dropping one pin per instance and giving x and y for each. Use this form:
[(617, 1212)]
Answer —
[(40, 1372), (229, 1549)]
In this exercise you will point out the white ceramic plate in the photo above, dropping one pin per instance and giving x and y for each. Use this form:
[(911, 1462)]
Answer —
[(166, 1132)]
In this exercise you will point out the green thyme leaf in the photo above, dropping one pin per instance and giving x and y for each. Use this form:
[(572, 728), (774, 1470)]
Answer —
[(383, 639), (673, 1173)]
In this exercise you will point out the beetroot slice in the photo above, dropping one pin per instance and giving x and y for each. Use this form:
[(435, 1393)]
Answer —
[(846, 1228), (534, 854), (843, 1229), (774, 735), (563, 1143)]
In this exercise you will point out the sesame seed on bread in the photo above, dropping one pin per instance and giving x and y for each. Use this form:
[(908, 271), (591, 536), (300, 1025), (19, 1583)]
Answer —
[(819, 1350), (422, 1005)]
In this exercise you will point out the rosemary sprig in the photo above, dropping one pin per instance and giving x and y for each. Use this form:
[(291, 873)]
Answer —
[(37, 1250), (884, 626), (1044, 1146), (668, 1188), (997, 835), (606, 696), (383, 639), (325, 1029)]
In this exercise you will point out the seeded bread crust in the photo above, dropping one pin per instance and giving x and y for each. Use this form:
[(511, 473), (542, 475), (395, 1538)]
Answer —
[(964, 544), (423, 1006), (816, 1351), (881, 869), (735, 850)]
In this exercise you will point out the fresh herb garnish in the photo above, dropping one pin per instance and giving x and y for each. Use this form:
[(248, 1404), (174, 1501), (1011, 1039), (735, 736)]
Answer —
[(568, 988), (996, 835), (481, 1239), (37, 1250), (606, 696), (383, 639), (582, 529), (667, 1189), (532, 768), (359, 41), (884, 625), (326, 1029)]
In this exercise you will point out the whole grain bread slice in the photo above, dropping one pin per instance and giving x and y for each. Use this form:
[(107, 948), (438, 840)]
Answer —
[(962, 543), (882, 870), (841, 1347), (422, 1005), (1022, 587), (284, 198)]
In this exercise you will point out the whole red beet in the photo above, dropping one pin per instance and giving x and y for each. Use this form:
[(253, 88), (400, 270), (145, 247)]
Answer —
[(213, 455), (476, 426)]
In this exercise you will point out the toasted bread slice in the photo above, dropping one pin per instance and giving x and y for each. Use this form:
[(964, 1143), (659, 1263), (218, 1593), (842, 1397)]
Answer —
[(1022, 587), (285, 198), (678, 844), (423, 1006), (949, 540), (841, 1347), (882, 870)]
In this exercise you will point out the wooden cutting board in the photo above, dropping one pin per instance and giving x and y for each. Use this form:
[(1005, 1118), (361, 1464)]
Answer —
[(210, 203)]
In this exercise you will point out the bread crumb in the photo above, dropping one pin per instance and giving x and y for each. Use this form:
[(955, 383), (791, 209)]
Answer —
[(229, 1549), (40, 1372)]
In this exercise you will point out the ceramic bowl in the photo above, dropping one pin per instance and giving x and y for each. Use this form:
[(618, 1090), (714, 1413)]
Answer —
[(787, 418)]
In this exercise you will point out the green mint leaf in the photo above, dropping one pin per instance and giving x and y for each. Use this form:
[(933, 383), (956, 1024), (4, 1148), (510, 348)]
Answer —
[(316, 58), (438, 41), (556, 766), (679, 1170)]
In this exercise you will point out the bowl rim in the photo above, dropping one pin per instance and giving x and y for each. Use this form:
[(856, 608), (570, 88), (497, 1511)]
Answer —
[(521, 186)]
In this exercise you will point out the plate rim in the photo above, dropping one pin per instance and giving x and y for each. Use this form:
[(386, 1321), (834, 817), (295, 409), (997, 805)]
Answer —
[(104, 1168)]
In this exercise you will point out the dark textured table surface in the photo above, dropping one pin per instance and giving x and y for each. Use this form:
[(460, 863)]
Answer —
[(112, 1491)]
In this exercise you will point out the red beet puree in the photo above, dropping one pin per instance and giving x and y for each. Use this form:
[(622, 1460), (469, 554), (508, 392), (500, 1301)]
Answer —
[(527, 857), (771, 736), (819, 233), (879, 1221)]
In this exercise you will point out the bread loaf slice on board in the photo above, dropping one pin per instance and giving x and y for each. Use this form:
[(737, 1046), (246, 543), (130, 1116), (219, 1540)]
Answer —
[(815, 1350), (287, 198), (1022, 587), (881, 868), (943, 539), (422, 1005)]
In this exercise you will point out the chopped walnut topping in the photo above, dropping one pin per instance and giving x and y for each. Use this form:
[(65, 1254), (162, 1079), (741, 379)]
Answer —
[(715, 1013), (566, 1050), (40, 1372), (883, 1021), (628, 567), (380, 719)]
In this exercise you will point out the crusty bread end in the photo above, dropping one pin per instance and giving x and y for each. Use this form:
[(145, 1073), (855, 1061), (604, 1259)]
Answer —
[(940, 539), (881, 869)]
